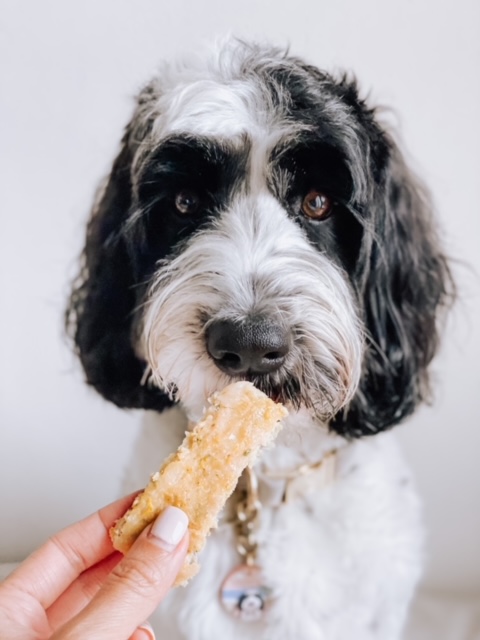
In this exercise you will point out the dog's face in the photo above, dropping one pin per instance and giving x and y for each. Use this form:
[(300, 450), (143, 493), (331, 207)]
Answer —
[(253, 284), (259, 224)]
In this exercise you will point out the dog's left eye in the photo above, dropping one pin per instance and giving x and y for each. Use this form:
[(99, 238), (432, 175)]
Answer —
[(316, 205), (187, 202)]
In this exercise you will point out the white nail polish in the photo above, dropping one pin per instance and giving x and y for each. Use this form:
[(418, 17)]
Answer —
[(170, 527)]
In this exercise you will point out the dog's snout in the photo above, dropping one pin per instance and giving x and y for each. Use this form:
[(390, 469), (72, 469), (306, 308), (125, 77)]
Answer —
[(254, 346)]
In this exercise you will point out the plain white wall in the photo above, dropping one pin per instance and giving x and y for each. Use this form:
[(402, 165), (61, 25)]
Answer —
[(68, 72)]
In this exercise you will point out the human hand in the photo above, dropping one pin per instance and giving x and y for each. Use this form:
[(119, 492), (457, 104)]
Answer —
[(77, 586)]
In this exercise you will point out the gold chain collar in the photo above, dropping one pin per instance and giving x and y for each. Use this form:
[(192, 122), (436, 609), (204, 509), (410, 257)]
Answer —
[(298, 482)]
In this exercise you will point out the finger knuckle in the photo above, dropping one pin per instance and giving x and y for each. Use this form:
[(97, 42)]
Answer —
[(71, 552), (140, 575)]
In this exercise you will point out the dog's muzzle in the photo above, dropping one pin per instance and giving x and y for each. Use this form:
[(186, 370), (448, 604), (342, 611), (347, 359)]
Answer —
[(251, 298)]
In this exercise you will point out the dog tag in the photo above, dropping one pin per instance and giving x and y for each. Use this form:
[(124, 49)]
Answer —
[(244, 595)]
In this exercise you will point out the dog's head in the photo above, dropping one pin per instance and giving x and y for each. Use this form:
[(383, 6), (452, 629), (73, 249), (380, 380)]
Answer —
[(259, 223)]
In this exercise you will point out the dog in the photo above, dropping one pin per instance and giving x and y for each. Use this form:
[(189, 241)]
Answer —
[(260, 223)]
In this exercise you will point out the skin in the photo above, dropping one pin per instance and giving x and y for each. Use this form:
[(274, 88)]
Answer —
[(77, 586)]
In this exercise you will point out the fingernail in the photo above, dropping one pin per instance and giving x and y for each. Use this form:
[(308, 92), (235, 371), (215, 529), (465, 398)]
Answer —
[(145, 632), (170, 527)]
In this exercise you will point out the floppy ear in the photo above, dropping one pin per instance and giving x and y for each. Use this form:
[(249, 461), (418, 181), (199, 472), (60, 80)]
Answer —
[(100, 312), (403, 282)]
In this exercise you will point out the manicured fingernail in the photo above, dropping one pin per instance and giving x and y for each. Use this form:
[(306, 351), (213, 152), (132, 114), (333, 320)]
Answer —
[(145, 632), (170, 527)]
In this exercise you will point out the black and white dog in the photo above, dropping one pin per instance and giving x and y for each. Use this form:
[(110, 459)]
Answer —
[(259, 223)]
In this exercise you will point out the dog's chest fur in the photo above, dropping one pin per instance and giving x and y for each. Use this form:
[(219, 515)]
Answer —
[(343, 556)]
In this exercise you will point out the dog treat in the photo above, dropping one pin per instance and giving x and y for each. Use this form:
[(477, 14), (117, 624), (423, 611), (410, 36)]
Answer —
[(204, 471)]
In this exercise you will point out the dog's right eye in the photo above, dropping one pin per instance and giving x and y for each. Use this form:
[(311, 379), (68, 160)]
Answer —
[(187, 202), (316, 205)]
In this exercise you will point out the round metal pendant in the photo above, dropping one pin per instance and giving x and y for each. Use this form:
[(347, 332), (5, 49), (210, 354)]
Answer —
[(244, 595)]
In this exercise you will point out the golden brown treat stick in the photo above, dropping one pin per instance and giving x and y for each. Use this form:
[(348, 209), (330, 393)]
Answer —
[(204, 471)]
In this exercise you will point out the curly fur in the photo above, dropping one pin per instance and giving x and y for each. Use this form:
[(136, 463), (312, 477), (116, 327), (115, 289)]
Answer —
[(399, 274)]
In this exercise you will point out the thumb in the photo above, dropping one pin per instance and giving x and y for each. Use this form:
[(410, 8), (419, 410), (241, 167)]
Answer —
[(136, 585)]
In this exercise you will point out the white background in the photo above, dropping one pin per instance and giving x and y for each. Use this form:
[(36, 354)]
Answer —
[(68, 74)]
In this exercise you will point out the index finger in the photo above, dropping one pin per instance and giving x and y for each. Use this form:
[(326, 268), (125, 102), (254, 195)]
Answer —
[(49, 570)]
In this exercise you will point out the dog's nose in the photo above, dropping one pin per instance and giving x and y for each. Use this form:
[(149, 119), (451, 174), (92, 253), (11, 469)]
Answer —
[(254, 346)]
